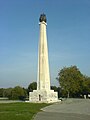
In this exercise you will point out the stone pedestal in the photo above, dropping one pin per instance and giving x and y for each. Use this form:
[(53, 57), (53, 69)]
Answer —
[(43, 96)]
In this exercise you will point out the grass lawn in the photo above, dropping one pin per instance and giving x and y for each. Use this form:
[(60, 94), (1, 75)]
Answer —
[(19, 111)]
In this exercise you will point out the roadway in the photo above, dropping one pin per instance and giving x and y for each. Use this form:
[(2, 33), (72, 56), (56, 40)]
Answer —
[(70, 109)]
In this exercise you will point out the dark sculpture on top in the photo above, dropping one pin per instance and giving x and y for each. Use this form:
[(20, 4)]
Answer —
[(43, 18)]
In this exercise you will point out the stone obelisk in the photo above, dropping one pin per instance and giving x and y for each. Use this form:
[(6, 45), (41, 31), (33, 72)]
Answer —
[(43, 81), (43, 92)]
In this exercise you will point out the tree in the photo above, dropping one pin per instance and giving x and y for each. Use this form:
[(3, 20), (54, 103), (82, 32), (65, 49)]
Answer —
[(1, 92), (7, 92), (86, 85), (18, 93), (54, 88), (70, 80), (32, 86)]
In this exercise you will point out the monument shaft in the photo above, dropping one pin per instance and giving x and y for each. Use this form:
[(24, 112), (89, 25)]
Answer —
[(43, 79)]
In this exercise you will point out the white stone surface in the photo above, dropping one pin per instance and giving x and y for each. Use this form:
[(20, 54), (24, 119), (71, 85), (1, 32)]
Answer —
[(43, 78), (43, 96), (43, 92)]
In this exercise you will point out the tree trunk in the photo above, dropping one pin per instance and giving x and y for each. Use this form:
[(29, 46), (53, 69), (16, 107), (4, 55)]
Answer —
[(68, 94)]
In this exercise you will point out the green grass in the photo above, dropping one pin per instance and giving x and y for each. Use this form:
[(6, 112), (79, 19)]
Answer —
[(19, 111)]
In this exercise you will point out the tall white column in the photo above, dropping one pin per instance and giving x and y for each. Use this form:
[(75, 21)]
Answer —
[(43, 80), (43, 92)]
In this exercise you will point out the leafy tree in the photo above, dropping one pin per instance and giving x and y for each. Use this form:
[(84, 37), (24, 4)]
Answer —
[(86, 85), (54, 88), (18, 93), (70, 80), (1, 92), (32, 86), (7, 92)]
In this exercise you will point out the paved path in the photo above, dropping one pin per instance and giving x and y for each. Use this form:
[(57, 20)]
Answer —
[(71, 109), (10, 101)]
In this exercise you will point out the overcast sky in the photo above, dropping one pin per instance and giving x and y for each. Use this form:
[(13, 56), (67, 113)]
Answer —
[(68, 31)]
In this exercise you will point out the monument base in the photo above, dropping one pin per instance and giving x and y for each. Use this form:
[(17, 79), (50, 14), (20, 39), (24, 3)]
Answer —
[(43, 96)]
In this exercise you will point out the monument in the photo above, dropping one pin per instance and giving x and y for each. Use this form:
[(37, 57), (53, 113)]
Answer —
[(43, 92)]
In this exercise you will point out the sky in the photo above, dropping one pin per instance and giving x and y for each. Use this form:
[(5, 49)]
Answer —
[(68, 33)]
